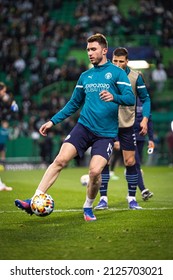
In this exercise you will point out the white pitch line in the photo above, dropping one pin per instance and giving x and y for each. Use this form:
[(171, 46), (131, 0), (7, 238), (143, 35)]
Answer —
[(111, 209), (80, 210)]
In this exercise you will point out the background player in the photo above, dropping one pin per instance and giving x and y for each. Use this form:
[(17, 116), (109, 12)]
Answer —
[(7, 106), (126, 134)]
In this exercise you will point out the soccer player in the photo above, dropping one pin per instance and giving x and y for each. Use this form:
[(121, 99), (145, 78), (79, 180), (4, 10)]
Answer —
[(126, 135), (7, 105), (98, 93)]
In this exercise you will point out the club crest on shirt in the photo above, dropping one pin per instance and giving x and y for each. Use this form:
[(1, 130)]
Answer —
[(108, 75)]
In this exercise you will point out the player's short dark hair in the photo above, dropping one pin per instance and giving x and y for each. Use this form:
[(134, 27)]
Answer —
[(121, 52), (100, 38)]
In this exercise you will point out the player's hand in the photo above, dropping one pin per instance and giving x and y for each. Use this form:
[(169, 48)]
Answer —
[(45, 127), (151, 145), (117, 145), (106, 96), (144, 126)]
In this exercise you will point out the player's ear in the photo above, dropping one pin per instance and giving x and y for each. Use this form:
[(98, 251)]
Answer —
[(105, 50)]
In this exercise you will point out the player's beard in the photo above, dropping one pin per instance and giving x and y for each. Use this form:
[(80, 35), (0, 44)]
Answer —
[(97, 61)]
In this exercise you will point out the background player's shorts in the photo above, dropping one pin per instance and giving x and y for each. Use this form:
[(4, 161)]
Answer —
[(82, 139), (127, 138)]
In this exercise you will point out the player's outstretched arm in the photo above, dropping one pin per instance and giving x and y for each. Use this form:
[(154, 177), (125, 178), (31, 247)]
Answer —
[(45, 127)]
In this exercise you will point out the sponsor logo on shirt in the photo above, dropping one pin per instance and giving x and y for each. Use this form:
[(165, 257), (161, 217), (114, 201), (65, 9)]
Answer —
[(96, 87)]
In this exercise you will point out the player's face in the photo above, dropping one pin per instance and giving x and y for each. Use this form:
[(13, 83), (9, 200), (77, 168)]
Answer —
[(120, 61), (96, 53)]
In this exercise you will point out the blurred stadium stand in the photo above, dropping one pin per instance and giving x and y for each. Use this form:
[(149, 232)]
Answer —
[(147, 46)]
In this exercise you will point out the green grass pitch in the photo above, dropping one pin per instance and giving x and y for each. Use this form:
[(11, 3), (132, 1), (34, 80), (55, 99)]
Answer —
[(118, 233)]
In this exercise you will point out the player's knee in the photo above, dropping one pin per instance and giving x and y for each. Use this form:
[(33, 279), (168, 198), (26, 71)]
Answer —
[(60, 162), (94, 172), (95, 175), (129, 161)]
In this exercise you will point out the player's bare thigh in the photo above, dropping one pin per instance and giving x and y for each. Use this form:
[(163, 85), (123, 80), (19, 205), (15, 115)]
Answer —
[(66, 153)]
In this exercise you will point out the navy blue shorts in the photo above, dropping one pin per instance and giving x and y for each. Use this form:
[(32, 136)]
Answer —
[(82, 139), (127, 138)]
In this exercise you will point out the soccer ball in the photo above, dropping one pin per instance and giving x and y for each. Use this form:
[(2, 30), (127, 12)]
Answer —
[(42, 205), (84, 180)]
